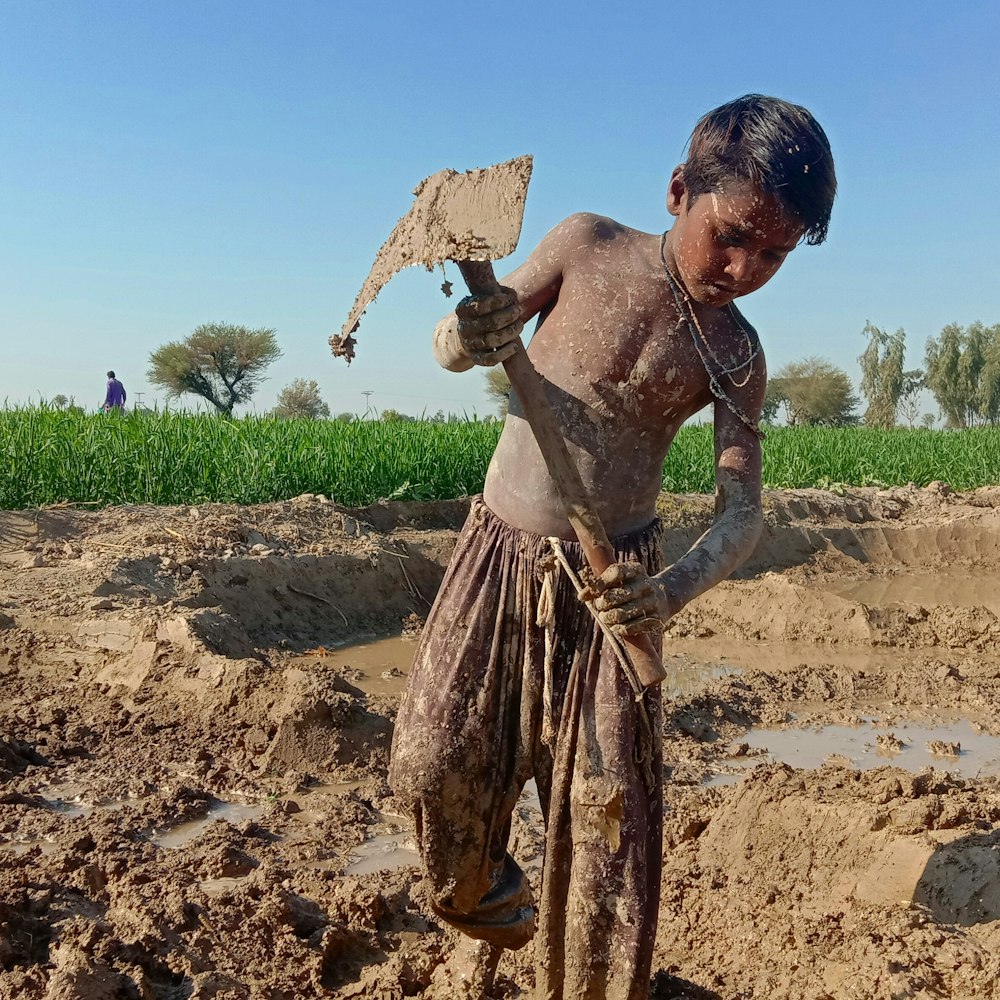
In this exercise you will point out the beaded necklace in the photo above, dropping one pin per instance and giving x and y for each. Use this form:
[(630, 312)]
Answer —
[(704, 348)]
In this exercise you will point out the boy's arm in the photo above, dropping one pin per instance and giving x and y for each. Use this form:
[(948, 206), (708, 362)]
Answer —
[(482, 329), (628, 599), (739, 516)]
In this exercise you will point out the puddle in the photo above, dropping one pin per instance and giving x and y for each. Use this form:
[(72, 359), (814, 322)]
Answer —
[(687, 675), (19, 847), (979, 755), (184, 833), (930, 590), (385, 851), (692, 664), (384, 664), (337, 788), (71, 799)]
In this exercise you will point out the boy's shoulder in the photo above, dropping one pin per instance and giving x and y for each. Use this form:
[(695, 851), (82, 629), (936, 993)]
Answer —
[(592, 227), (742, 325)]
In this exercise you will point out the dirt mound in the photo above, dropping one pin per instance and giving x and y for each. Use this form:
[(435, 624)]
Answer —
[(193, 797)]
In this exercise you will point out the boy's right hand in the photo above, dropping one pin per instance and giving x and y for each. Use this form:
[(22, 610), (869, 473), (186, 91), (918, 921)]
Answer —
[(489, 326)]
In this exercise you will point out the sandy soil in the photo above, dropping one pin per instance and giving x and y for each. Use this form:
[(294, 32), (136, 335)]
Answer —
[(193, 800)]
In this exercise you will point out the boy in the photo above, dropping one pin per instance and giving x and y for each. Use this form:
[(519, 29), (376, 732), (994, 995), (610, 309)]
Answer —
[(513, 677)]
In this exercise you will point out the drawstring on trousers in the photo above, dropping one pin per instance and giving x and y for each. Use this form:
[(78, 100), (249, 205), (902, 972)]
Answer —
[(545, 618)]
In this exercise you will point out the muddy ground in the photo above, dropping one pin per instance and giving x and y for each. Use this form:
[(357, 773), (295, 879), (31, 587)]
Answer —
[(197, 705)]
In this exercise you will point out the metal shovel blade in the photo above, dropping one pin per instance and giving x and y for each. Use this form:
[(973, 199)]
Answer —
[(474, 215)]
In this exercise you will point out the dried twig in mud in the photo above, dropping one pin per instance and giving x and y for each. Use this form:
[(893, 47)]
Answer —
[(316, 597), (410, 585)]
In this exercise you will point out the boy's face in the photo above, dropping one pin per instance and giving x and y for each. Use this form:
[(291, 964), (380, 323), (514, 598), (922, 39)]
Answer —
[(728, 243)]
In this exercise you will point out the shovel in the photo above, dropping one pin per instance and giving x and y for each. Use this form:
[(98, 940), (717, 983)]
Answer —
[(474, 218)]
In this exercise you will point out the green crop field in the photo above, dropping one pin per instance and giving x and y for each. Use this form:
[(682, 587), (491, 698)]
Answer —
[(51, 456)]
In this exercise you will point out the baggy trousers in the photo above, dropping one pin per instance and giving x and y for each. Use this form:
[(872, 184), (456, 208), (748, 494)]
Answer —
[(494, 699)]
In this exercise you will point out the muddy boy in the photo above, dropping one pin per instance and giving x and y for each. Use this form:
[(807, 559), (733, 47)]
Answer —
[(513, 678)]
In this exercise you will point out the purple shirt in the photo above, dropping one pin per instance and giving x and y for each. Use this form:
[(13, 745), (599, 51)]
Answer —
[(115, 396)]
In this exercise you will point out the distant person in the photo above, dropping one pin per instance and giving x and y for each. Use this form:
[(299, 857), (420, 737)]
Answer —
[(114, 399)]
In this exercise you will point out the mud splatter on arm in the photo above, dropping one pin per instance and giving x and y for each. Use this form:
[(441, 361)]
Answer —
[(738, 511)]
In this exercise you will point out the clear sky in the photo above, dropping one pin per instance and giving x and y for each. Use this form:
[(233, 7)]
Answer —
[(166, 164)]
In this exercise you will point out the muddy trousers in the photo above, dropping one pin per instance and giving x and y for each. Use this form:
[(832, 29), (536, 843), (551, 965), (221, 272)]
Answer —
[(495, 698)]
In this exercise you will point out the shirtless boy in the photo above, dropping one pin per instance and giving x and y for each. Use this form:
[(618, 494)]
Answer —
[(513, 678)]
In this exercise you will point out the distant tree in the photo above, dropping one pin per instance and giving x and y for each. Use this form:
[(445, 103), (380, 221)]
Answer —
[(814, 391), (220, 362), (345, 418), (300, 400), (498, 388), (60, 402), (909, 400), (927, 421), (391, 416), (773, 401), (882, 377), (963, 373)]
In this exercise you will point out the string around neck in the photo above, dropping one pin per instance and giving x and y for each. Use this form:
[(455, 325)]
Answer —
[(704, 349)]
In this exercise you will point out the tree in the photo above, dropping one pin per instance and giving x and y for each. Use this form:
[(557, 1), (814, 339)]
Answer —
[(814, 391), (963, 373), (300, 400), (60, 402), (882, 377), (909, 401), (391, 416), (773, 401), (220, 362), (498, 388)]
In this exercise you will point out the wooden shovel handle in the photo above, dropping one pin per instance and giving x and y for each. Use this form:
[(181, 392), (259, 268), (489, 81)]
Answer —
[(580, 511)]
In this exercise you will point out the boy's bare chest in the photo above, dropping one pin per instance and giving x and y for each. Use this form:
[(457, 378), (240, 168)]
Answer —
[(621, 347)]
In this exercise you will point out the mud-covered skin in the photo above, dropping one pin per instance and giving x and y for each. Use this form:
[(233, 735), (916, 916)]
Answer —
[(624, 374)]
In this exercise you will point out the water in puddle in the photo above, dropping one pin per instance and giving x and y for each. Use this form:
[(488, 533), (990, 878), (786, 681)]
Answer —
[(71, 799), (385, 851), (19, 847), (184, 833), (389, 851), (687, 675), (979, 753), (384, 664), (929, 590)]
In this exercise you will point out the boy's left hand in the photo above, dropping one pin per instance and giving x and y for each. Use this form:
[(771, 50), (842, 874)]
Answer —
[(630, 601)]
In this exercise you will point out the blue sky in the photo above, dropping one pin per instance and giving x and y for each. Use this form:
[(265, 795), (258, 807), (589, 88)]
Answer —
[(168, 164)]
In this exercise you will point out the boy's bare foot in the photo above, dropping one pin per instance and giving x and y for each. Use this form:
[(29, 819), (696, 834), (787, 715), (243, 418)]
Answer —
[(467, 973)]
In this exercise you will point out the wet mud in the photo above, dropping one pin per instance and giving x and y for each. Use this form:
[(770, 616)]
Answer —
[(198, 706)]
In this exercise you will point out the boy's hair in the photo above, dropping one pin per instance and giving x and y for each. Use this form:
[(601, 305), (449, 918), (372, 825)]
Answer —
[(111, 374), (776, 146)]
